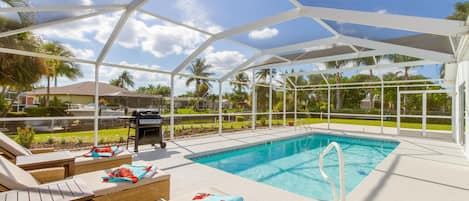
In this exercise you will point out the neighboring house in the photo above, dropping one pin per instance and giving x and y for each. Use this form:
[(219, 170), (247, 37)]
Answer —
[(83, 94), (365, 103), (18, 102)]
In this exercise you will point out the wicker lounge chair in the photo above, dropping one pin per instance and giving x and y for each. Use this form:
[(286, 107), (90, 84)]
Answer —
[(89, 186), (10, 150)]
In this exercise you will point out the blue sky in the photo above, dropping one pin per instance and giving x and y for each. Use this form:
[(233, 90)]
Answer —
[(152, 43)]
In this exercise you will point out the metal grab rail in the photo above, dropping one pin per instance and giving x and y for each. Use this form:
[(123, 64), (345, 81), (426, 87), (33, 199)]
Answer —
[(341, 170)]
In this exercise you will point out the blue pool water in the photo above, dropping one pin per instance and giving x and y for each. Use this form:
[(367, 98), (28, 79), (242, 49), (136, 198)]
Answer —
[(293, 164)]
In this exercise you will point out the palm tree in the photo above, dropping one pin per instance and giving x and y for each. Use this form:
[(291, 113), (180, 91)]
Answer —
[(124, 80), (240, 78), (263, 74), (368, 61), (461, 11), (337, 65), (199, 68), (59, 68), (397, 58)]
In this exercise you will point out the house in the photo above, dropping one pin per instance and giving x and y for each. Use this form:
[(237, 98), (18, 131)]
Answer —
[(83, 94)]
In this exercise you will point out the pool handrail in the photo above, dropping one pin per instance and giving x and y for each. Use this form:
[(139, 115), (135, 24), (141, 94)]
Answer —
[(341, 170)]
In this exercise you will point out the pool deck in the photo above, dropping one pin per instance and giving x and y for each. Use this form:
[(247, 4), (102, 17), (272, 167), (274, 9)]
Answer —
[(418, 169)]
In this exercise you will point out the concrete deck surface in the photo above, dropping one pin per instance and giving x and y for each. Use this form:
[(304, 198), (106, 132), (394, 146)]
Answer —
[(418, 169)]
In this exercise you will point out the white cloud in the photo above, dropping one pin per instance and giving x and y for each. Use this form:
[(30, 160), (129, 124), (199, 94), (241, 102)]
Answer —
[(224, 61), (99, 26), (265, 33), (382, 11), (81, 53), (194, 14)]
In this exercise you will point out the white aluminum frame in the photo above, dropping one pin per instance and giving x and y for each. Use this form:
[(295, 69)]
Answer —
[(417, 24)]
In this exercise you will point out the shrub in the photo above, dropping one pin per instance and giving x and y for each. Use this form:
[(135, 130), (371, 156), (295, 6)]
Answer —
[(101, 141), (121, 139), (25, 136), (46, 111), (3, 104), (80, 141), (50, 140), (263, 121), (63, 141), (240, 118)]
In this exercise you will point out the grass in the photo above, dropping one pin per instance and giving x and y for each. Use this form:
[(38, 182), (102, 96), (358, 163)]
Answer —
[(116, 134)]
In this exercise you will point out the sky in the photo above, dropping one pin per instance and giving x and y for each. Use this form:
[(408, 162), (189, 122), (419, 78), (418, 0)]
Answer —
[(151, 43)]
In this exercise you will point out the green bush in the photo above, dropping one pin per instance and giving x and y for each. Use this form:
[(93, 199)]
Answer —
[(50, 140), (240, 118), (80, 141), (263, 121), (46, 111), (17, 114), (63, 141), (3, 104), (25, 136)]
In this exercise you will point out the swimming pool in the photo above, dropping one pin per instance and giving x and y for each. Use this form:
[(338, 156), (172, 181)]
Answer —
[(293, 164)]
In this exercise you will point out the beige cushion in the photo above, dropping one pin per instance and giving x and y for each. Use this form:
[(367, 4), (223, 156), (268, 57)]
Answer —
[(11, 146), (15, 178), (94, 182), (81, 160)]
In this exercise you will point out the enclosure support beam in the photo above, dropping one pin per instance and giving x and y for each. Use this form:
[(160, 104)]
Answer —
[(171, 128), (328, 101), (294, 112), (253, 100), (382, 106), (424, 114), (398, 111), (270, 98), (220, 107), (96, 104), (453, 117), (284, 101), (328, 107)]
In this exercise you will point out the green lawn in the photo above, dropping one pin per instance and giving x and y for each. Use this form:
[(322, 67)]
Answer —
[(114, 135)]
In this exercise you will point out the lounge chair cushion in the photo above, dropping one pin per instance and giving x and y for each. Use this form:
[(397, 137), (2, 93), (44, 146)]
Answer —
[(81, 160), (11, 146), (95, 183), (15, 178)]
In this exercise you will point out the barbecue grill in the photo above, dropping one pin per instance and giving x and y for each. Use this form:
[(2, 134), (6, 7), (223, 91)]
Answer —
[(148, 128)]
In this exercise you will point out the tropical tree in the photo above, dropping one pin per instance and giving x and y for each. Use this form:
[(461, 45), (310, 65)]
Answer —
[(124, 80), (18, 72), (397, 58), (158, 90), (263, 74), (58, 68), (369, 61), (199, 68), (337, 65), (240, 78), (461, 11)]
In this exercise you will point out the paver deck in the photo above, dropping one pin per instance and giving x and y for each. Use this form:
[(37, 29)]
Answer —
[(418, 169)]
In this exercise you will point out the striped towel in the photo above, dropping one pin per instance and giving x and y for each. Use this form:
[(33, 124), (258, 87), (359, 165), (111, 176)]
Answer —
[(127, 173), (104, 151)]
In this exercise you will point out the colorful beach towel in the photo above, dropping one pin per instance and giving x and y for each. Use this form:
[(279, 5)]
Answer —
[(211, 197), (104, 151), (127, 173)]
